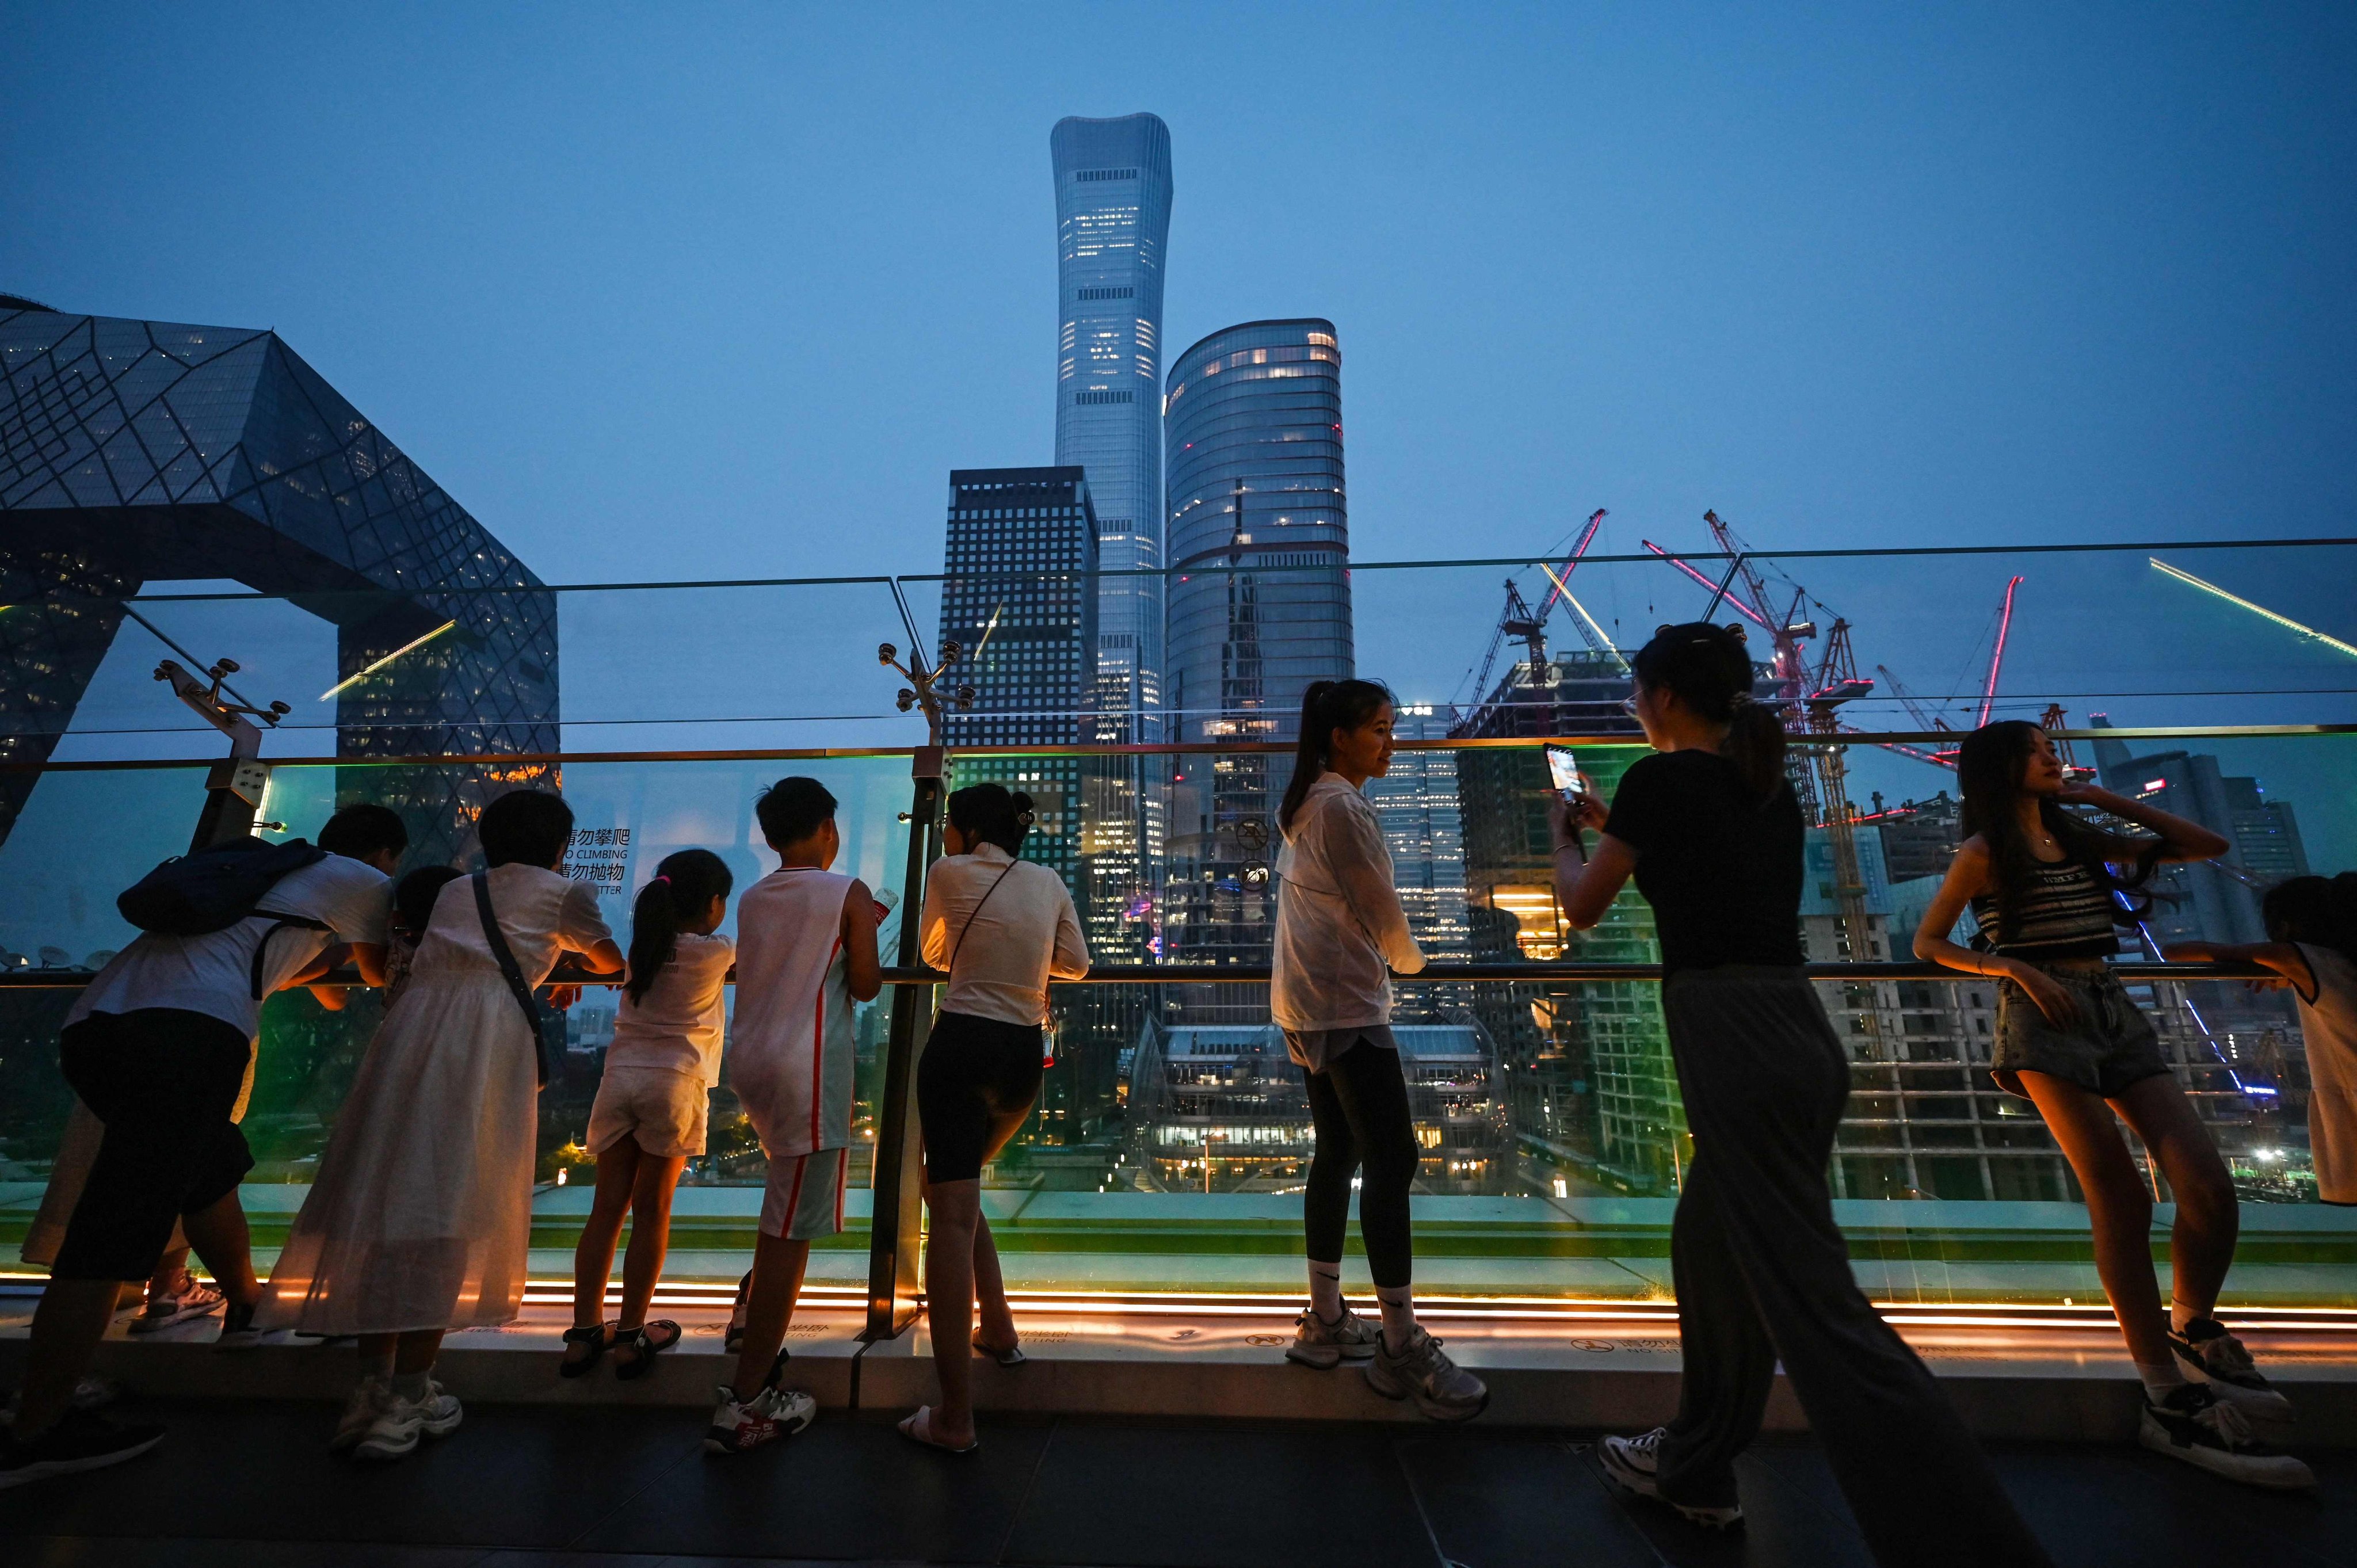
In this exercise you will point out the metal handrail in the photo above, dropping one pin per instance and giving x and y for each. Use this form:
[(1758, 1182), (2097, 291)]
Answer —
[(1164, 748), (1535, 973)]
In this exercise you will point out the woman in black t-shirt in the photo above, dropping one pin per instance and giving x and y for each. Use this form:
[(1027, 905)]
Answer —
[(1711, 832)]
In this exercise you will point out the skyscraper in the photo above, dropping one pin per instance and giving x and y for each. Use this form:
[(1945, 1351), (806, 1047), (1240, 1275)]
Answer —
[(1113, 218), (1259, 608)]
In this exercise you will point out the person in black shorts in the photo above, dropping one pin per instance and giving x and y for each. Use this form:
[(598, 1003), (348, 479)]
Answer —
[(1000, 928), (1711, 831), (156, 1047)]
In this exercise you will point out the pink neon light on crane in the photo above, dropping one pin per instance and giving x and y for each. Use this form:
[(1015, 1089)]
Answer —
[(1586, 537), (1997, 661), (1729, 599)]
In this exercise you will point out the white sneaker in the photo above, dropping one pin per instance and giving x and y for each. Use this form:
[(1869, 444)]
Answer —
[(769, 1416), (360, 1413), (1633, 1464), (400, 1423), (2194, 1425), (1323, 1344), (2207, 1353)]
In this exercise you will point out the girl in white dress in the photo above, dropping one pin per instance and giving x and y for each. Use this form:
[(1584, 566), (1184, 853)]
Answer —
[(420, 1220)]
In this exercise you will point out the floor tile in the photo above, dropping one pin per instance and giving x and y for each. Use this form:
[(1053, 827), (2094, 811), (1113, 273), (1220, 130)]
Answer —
[(2099, 1507), (1783, 1526), (1233, 1497), (845, 1488), (514, 1475), (102, 1551), (1507, 1502)]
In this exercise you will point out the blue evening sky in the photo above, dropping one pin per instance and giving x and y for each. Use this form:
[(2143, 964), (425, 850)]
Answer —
[(691, 291)]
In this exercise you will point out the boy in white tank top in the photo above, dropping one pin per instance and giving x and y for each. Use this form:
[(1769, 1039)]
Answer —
[(805, 952)]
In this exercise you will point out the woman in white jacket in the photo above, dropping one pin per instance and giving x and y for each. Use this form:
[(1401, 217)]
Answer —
[(1339, 925)]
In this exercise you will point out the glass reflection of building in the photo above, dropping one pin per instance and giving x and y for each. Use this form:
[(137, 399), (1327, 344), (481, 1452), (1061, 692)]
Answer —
[(1113, 222), (1259, 608), (1221, 1108)]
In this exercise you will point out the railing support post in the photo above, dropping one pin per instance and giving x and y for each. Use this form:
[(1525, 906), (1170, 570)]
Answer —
[(896, 1220)]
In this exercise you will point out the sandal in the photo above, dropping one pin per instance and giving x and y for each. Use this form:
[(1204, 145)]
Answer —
[(644, 1343), (918, 1429), (592, 1335), (1012, 1355)]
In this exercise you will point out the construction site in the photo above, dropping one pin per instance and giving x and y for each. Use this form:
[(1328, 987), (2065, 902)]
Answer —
[(1590, 1086)]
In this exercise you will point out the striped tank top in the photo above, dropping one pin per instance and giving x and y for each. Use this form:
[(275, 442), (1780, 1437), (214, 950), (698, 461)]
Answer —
[(2065, 913)]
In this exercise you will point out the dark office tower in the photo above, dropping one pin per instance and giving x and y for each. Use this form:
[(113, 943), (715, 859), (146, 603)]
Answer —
[(1113, 218), (1019, 596), (134, 452), (1259, 608)]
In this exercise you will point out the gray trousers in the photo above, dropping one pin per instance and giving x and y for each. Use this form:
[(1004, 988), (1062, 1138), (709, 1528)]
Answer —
[(1763, 1273)]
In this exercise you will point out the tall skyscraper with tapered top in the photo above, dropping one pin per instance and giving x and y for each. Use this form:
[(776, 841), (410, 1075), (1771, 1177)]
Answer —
[(1113, 218)]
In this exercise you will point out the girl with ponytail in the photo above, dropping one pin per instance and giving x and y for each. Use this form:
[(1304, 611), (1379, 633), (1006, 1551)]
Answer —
[(1339, 925), (2051, 890), (1712, 833), (649, 1115)]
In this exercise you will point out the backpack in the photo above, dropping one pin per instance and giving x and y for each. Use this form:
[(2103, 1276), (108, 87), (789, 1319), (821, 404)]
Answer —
[(212, 890)]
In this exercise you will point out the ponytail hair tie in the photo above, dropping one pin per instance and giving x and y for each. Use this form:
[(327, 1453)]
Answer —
[(665, 880)]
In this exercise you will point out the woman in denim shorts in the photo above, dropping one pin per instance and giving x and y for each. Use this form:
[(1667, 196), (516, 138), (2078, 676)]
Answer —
[(2050, 889)]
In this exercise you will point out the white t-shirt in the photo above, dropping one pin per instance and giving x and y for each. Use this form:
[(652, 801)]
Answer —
[(213, 974), (677, 1024)]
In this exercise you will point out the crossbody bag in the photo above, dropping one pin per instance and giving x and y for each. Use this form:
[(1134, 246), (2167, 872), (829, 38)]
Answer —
[(512, 972)]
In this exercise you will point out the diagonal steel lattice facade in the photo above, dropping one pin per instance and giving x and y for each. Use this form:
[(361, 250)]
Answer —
[(137, 451)]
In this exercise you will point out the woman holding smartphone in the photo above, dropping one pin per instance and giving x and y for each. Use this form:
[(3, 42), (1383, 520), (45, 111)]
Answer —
[(1711, 832)]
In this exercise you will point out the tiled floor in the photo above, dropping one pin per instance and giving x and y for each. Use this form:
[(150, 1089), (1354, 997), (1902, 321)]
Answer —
[(251, 1485)]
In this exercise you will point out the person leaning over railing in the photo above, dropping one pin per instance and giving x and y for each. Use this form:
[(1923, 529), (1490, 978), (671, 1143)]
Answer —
[(1000, 928), (2042, 885), (1710, 830), (1339, 924)]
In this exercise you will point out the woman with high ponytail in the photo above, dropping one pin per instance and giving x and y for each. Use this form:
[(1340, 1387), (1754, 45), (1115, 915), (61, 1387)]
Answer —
[(1712, 833), (649, 1119), (1340, 933)]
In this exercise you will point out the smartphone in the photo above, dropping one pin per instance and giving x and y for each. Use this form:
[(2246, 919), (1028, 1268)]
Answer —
[(1565, 770)]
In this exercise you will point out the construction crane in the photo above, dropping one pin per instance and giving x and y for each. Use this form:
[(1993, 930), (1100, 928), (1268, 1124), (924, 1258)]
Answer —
[(1528, 626)]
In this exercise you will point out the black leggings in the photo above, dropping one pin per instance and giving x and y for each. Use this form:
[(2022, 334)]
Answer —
[(1359, 1107)]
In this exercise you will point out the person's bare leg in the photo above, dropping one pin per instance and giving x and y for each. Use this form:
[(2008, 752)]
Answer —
[(2209, 1216), (593, 1255), (994, 1319), (997, 1318), (377, 1352), (217, 1233), (167, 1277), (949, 1306), (650, 1239), (2119, 1210), (651, 1197), (778, 1266), (66, 1326)]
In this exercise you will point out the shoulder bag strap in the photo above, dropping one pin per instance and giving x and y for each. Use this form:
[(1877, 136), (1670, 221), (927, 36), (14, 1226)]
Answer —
[(262, 947), (510, 969), (959, 946)]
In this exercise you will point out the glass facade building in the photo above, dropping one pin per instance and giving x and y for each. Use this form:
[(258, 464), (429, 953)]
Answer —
[(1259, 608), (1113, 222), (136, 452)]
